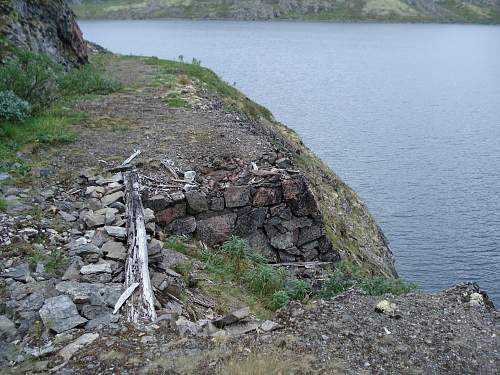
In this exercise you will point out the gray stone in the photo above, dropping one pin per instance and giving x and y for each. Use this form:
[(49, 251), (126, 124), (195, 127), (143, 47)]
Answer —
[(100, 278), (237, 196), (95, 268), (149, 215), (7, 328), (157, 203), (93, 312), (216, 229), (94, 220), (67, 217), (73, 271), (269, 325), (259, 243), (309, 234), (117, 232), (19, 273), (233, 317), (79, 292), (84, 250), (114, 250), (70, 350), (282, 241), (111, 198), (217, 204), (119, 206), (186, 327), (60, 314), (169, 214), (296, 223), (197, 201), (102, 321), (183, 226)]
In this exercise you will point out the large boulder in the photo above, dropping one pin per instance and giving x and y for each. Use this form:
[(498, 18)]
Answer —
[(47, 27), (60, 314)]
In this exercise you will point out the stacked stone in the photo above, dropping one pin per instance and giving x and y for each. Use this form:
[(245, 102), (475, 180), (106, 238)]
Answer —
[(273, 209)]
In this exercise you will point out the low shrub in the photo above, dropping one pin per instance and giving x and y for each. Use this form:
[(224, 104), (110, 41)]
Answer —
[(13, 108), (32, 77), (377, 286)]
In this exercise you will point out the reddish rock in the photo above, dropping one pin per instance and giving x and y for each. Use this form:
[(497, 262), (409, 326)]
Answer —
[(292, 188), (216, 229), (267, 197), (169, 214), (237, 196)]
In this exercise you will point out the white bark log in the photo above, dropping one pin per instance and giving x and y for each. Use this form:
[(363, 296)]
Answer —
[(140, 305)]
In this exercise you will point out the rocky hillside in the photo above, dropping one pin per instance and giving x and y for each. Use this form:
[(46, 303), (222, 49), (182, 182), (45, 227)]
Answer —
[(476, 11), (47, 27)]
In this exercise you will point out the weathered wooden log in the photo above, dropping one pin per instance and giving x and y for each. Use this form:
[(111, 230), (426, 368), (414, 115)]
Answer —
[(140, 305)]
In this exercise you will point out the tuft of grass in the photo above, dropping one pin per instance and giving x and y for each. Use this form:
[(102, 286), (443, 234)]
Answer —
[(177, 244), (3, 205), (348, 275), (298, 290), (265, 280), (54, 263)]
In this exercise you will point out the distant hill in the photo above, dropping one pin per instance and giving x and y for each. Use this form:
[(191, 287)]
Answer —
[(470, 11)]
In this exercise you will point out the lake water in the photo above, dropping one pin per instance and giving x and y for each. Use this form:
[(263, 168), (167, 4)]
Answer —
[(408, 115)]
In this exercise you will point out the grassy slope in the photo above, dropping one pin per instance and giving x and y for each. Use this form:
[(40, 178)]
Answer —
[(355, 10)]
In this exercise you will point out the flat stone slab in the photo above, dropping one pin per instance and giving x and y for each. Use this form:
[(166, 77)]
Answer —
[(117, 232), (114, 250), (18, 273), (95, 268), (60, 314), (112, 198), (232, 317)]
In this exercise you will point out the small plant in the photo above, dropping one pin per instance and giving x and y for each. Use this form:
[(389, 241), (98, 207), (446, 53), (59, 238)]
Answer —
[(184, 268), (297, 289), (176, 243), (3, 205), (236, 249), (280, 298), (13, 108), (56, 263), (337, 283), (264, 280)]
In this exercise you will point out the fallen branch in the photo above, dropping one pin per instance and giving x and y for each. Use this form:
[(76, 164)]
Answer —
[(140, 305)]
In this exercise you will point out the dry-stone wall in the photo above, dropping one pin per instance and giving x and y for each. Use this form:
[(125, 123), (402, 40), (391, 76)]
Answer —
[(273, 209)]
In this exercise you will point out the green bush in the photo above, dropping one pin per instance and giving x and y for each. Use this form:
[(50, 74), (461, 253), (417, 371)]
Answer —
[(337, 283), (32, 77), (297, 289), (280, 298), (87, 80), (13, 108)]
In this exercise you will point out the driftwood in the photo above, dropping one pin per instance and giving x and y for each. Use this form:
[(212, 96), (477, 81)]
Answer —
[(140, 305), (125, 296)]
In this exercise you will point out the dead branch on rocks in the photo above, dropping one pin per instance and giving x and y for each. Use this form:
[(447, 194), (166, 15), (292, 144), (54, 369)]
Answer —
[(140, 305)]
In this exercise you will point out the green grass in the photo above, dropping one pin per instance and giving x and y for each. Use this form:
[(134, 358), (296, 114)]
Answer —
[(234, 100), (55, 263), (43, 130), (347, 275), (3, 205)]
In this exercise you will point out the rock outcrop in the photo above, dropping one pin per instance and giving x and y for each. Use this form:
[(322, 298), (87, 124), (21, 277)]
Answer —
[(47, 27)]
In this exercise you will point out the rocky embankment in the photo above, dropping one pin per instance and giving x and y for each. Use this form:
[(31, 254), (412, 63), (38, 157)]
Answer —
[(47, 27), (480, 11)]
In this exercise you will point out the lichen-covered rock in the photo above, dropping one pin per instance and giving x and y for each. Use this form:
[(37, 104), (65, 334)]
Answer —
[(60, 314), (47, 27)]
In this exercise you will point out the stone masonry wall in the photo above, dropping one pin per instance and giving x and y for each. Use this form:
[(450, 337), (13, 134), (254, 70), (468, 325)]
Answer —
[(272, 208)]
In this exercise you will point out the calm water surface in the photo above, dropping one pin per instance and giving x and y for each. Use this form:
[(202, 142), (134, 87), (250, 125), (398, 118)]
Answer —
[(408, 115)]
